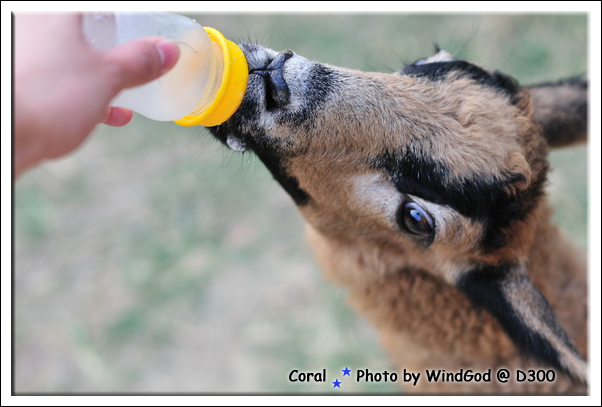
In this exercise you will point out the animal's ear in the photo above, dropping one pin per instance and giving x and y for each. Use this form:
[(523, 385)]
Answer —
[(523, 312), (439, 56), (561, 110)]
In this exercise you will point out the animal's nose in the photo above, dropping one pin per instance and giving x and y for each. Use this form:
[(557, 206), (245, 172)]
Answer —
[(278, 90), (281, 58)]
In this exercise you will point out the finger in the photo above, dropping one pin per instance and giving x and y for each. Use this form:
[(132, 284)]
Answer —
[(140, 61), (118, 116)]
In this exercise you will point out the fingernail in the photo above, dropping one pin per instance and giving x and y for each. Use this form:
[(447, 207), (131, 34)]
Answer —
[(169, 52)]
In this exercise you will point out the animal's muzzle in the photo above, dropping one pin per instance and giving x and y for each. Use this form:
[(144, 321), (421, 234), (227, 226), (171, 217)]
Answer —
[(278, 93)]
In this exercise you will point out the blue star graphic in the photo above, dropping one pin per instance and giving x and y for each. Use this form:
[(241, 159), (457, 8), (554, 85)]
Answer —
[(346, 371), (336, 383)]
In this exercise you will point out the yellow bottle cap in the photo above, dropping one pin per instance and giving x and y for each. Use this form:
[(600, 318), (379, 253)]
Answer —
[(232, 89)]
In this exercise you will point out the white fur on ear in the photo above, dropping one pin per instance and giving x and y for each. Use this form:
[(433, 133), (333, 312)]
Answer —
[(441, 56)]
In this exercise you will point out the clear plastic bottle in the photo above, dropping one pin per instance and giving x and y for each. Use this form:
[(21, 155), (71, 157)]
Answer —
[(206, 85)]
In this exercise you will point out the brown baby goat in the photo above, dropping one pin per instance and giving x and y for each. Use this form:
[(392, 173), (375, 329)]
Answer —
[(423, 193)]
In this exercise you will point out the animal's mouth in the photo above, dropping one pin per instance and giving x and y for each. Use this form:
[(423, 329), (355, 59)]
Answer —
[(267, 93)]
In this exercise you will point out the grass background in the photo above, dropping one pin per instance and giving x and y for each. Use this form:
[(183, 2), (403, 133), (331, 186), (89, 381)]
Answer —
[(155, 260)]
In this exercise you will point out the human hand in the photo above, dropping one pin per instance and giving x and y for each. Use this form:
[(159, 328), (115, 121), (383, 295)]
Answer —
[(62, 86)]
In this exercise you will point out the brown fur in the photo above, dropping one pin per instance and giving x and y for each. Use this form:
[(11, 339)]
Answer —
[(412, 309), (562, 111), (410, 290), (428, 324)]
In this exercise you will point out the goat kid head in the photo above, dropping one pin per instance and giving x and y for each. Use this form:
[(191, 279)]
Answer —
[(443, 162)]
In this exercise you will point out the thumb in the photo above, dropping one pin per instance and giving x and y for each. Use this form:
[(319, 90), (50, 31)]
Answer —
[(138, 62)]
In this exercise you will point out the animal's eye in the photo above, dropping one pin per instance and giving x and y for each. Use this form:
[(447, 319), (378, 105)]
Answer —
[(416, 220)]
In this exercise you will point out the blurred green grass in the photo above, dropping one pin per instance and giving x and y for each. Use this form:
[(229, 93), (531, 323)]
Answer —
[(155, 260)]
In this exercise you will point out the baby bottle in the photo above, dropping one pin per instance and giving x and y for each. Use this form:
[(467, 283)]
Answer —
[(206, 85)]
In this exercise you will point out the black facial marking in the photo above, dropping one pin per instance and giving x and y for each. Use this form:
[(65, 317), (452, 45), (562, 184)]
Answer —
[(320, 83), (437, 71), (484, 287), (484, 200), (274, 163)]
